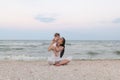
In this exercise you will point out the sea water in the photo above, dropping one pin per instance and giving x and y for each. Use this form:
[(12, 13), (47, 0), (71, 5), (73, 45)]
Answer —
[(78, 49)]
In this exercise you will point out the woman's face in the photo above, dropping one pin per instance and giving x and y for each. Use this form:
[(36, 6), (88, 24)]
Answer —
[(60, 41)]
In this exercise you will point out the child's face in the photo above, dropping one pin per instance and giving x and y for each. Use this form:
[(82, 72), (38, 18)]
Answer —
[(57, 37)]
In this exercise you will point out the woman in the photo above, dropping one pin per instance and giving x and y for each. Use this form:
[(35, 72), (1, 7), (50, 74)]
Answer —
[(55, 59)]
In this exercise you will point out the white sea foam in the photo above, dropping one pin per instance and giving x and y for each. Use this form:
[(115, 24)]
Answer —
[(22, 57)]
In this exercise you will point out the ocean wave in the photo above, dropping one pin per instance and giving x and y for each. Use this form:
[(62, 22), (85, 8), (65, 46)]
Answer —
[(31, 45), (45, 43), (9, 49), (77, 53), (22, 57), (92, 53), (69, 44), (5, 45)]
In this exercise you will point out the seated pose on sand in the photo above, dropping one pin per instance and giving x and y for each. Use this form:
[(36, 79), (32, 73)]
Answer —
[(55, 58)]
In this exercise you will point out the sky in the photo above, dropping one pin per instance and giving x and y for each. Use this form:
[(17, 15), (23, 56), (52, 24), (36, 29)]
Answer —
[(73, 19)]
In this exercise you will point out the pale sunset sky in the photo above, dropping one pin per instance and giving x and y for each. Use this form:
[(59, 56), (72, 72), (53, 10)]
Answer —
[(73, 19)]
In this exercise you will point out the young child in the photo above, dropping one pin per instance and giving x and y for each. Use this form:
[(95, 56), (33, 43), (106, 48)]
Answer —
[(54, 42)]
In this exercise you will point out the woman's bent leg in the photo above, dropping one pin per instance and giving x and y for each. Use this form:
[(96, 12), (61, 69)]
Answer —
[(63, 62)]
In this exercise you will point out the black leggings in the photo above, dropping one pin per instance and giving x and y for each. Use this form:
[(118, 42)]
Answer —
[(62, 53)]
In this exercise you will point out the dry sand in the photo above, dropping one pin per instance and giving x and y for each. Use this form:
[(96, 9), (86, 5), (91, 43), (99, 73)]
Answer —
[(75, 70)]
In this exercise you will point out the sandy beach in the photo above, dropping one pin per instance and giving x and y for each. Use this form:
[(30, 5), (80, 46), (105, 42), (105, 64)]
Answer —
[(75, 70)]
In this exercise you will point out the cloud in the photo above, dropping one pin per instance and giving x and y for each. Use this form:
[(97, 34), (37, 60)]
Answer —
[(45, 18), (117, 20)]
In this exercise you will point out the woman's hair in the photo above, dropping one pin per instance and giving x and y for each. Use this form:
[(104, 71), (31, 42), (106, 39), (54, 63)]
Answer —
[(63, 45), (63, 42)]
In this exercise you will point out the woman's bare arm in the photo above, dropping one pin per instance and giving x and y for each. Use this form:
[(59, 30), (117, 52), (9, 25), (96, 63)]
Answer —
[(51, 47)]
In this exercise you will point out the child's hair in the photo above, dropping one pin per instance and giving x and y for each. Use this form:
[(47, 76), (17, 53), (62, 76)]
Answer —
[(56, 34)]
